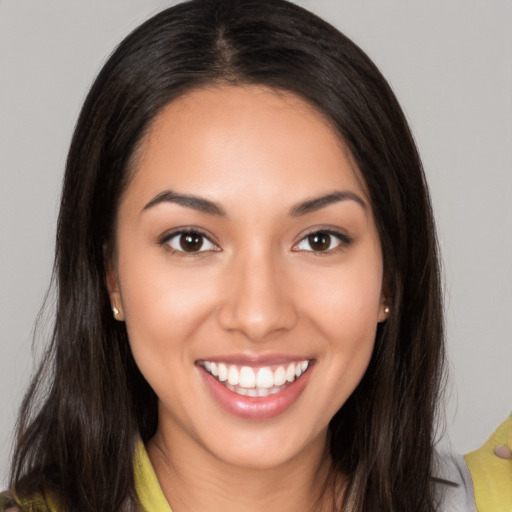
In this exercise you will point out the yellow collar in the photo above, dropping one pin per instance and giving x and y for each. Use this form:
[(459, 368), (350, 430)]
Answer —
[(151, 496)]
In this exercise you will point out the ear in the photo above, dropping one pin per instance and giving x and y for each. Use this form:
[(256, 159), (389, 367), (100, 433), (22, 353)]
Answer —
[(114, 292), (385, 303), (384, 310)]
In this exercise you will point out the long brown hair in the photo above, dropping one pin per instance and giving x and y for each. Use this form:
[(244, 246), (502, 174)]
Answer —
[(89, 403)]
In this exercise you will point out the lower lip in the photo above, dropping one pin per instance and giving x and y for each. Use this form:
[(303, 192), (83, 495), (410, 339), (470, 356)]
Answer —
[(255, 408)]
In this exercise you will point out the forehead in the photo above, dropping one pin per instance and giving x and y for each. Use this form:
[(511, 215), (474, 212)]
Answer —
[(247, 142)]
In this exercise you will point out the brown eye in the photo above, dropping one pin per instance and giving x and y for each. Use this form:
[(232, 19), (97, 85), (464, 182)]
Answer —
[(319, 241), (190, 242), (323, 241)]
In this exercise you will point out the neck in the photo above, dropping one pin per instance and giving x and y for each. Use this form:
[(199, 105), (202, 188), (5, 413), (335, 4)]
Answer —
[(195, 481)]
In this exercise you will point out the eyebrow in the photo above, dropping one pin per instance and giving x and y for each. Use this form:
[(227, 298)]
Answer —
[(196, 203), (317, 203), (211, 208)]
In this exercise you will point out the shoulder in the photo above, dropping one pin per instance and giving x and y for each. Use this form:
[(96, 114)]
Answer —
[(37, 503), (454, 488), (491, 474), (7, 503)]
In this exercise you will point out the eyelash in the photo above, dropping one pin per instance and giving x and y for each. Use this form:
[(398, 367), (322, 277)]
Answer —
[(166, 239), (344, 241)]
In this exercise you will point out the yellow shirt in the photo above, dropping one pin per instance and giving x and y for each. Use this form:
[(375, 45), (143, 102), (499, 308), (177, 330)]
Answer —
[(492, 475), (151, 496), (451, 469), (149, 492)]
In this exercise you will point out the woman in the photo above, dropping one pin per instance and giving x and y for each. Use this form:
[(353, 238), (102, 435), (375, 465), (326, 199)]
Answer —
[(243, 193)]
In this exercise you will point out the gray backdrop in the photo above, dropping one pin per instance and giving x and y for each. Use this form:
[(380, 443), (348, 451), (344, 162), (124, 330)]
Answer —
[(449, 62)]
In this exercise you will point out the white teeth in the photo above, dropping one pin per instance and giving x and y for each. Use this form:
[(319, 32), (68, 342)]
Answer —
[(254, 382), (241, 391), (233, 376), (223, 372), (279, 376), (290, 373), (265, 378), (247, 378)]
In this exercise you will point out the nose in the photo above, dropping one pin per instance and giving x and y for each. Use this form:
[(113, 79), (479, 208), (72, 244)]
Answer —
[(258, 302)]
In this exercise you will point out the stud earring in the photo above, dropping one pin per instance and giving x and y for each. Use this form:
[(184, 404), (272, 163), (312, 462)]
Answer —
[(115, 311), (387, 310)]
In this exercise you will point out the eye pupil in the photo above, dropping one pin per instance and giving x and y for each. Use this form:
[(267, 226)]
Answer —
[(191, 242), (319, 241)]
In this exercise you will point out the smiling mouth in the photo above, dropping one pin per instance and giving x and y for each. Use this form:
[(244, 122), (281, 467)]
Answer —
[(258, 381)]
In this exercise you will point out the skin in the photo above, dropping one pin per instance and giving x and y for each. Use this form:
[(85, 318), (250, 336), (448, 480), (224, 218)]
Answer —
[(503, 451), (256, 288)]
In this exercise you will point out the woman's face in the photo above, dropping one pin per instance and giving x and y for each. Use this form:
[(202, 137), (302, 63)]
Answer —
[(249, 273)]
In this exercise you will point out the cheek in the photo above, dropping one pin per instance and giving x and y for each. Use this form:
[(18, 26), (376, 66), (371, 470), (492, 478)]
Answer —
[(345, 302), (163, 311), (163, 304), (347, 319)]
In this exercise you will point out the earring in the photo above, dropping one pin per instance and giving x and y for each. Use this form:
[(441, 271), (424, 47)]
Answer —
[(387, 310), (115, 311)]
